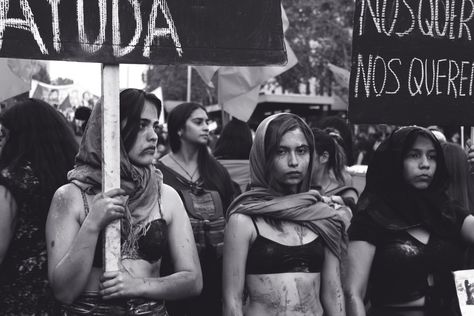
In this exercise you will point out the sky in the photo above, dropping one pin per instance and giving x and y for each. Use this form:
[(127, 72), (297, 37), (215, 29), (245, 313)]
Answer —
[(88, 75)]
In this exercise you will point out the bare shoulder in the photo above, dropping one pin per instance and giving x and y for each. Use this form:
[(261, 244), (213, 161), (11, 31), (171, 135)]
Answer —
[(67, 200), (240, 224), (171, 202), (5, 194)]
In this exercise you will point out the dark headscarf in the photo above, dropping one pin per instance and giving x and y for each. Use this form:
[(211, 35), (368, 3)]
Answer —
[(304, 207), (141, 184), (395, 204)]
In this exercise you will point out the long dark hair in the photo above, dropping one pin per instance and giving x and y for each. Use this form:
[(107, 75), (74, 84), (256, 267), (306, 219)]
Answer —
[(394, 203), (212, 172), (41, 136), (460, 186), (132, 102), (344, 130), (324, 142), (235, 141)]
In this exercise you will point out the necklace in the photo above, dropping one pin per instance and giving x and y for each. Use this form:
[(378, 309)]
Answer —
[(191, 176)]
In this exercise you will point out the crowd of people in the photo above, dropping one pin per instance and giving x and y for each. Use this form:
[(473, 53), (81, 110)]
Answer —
[(264, 223)]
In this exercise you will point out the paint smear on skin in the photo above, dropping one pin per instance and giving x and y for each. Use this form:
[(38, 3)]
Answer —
[(307, 295), (269, 295)]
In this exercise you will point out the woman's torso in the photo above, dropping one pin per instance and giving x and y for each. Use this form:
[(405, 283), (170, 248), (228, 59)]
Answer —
[(151, 248), (417, 265), (283, 270), (205, 210)]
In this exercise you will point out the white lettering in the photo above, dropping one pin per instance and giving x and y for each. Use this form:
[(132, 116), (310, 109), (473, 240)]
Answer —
[(154, 32), (56, 33), (84, 41), (116, 40), (28, 24)]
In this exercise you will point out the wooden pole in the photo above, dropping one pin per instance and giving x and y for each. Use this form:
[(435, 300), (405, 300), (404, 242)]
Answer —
[(111, 157), (189, 82), (472, 136)]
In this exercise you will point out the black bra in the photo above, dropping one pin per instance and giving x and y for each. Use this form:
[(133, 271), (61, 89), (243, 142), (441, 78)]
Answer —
[(151, 246), (266, 256)]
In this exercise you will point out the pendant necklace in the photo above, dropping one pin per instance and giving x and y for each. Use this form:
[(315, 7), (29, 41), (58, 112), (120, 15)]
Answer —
[(191, 176)]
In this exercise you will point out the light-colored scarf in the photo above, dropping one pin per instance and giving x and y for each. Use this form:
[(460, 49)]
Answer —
[(304, 207), (141, 184)]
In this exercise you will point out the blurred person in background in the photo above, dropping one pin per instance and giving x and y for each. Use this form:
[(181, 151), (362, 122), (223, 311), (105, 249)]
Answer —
[(344, 131), (329, 175), (37, 149), (233, 150)]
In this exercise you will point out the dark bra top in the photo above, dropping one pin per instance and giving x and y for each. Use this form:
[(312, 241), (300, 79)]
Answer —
[(151, 246), (266, 256), (404, 262)]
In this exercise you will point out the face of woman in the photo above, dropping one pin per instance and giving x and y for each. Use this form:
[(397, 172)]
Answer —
[(419, 164), (143, 150), (291, 160), (196, 129)]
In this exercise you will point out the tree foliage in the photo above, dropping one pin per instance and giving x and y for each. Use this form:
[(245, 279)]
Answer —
[(173, 80), (319, 33)]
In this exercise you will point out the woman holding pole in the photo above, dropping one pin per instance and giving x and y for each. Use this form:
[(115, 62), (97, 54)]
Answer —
[(152, 219)]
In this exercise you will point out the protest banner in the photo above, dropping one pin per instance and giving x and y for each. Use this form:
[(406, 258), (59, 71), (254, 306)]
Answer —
[(226, 32), (413, 62)]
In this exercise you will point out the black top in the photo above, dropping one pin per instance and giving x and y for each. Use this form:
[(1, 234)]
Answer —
[(151, 246), (266, 256), (402, 265)]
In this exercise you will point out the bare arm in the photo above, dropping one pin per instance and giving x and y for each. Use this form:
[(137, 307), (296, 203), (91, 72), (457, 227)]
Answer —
[(238, 234), (70, 245), (332, 297), (467, 229), (8, 209), (187, 279), (360, 257)]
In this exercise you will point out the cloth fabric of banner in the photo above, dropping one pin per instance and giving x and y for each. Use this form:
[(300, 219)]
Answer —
[(238, 87)]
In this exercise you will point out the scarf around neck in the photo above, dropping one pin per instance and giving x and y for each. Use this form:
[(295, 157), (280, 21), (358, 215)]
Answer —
[(304, 207), (141, 184)]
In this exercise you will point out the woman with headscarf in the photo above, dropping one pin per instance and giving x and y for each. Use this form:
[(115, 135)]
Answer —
[(282, 245), (152, 219), (407, 235)]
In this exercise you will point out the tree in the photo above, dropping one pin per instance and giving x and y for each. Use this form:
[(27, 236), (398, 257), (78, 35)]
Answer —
[(173, 80), (320, 32)]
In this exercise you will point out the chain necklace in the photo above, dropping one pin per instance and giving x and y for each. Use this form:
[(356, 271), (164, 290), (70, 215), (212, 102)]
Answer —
[(191, 176)]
